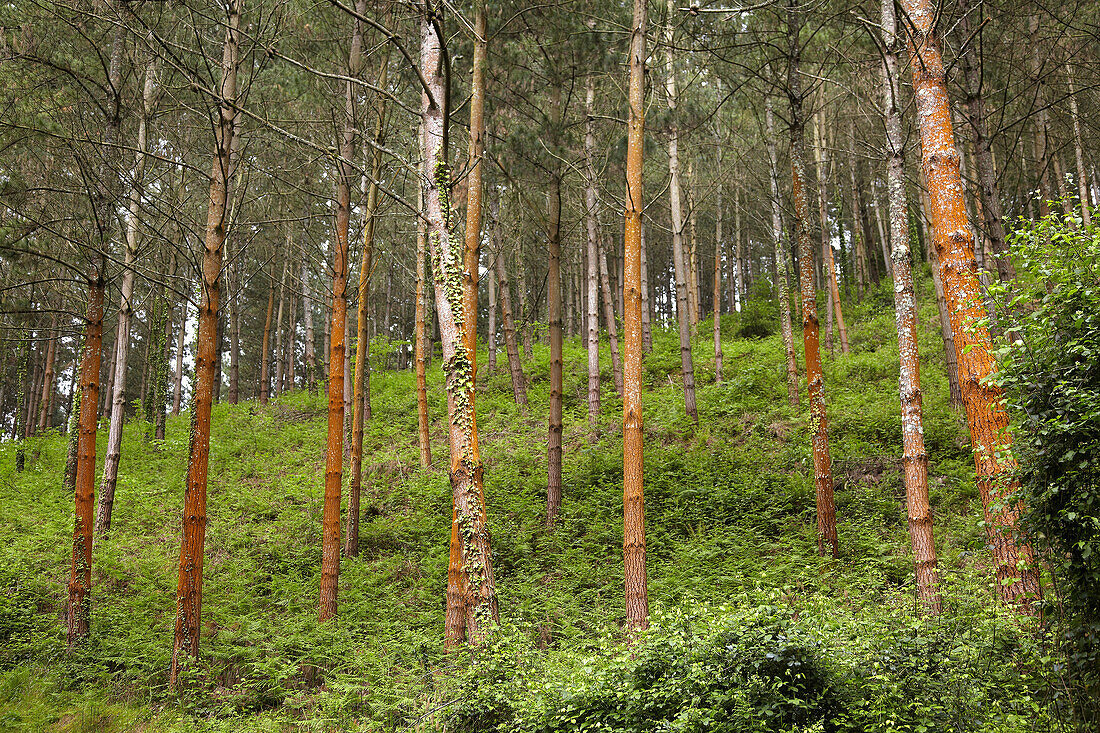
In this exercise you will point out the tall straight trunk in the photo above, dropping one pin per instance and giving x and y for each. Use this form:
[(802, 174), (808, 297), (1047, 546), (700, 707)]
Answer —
[(265, 348), (515, 368), (553, 299), (126, 311), (826, 244), (219, 347), (310, 355), (46, 398), (491, 334), (277, 386), (1078, 150), (465, 465), (647, 303), (592, 274), (859, 249), (780, 257), (181, 345), (815, 379), (526, 307), (80, 579), (337, 397), (1017, 571), (683, 303), (189, 590), (234, 334), (717, 294), (609, 320), (422, 345), (103, 200), (1041, 119), (361, 375), (883, 238), (636, 592), (992, 213), (693, 249), (287, 382), (108, 378), (738, 293), (914, 456)]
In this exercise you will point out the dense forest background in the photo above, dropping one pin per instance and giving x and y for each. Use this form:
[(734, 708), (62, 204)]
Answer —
[(341, 295)]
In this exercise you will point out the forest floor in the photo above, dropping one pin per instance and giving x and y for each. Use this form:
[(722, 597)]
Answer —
[(730, 534)]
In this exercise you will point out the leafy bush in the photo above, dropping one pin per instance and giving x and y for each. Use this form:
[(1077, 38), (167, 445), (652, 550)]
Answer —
[(760, 312), (1051, 371)]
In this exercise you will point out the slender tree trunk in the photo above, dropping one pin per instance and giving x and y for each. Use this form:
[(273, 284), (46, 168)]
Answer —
[(361, 375), (491, 335), (609, 319), (717, 295), (181, 344), (234, 334), (592, 274), (693, 249), (515, 368), (683, 305), (553, 292), (740, 291), (307, 319), (465, 465), (189, 590), (337, 397), (1078, 150), (1041, 117), (826, 244), (48, 378), (278, 384), (422, 345), (859, 246), (265, 349), (125, 312), (780, 258), (914, 456), (1017, 571), (634, 566), (815, 379), (647, 304)]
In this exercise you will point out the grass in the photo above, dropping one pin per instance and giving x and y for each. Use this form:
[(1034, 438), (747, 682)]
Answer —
[(730, 519)]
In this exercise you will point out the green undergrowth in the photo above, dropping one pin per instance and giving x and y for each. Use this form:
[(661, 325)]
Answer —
[(732, 559)]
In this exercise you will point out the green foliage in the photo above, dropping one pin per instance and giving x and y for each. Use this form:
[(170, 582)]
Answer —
[(759, 314), (1051, 371)]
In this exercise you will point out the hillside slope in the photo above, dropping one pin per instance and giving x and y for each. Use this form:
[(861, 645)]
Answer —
[(730, 530)]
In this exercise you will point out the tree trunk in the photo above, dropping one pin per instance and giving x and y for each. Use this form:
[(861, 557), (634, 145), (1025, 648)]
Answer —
[(815, 379), (553, 293), (1078, 150), (592, 274), (337, 397), (1041, 114), (491, 335), (780, 258), (914, 456), (683, 305), (634, 566), (310, 355), (515, 368), (693, 250), (716, 300), (177, 391), (647, 304), (609, 320), (279, 316), (465, 466), (826, 243), (265, 349), (48, 378), (361, 376), (189, 590), (1017, 571), (422, 345)]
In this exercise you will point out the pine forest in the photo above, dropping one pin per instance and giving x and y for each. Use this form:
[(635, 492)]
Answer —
[(639, 366)]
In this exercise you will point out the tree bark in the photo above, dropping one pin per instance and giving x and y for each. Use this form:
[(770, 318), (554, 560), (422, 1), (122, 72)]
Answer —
[(422, 345), (609, 320), (634, 565), (48, 378), (683, 302), (1017, 571), (826, 243), (914, 456), (553, 298), (592, 274), (1078, 150), (647, 304), (189, 589), (465, 465), (515, 367), (265, 349), (815, 379), (278, 384), (717, 294), (177, 391), (780, 258)]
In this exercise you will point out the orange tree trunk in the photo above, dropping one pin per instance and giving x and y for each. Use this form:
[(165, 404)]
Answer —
[(634, 568), (189, 588), (469, 517), (80, 579), (1017, 571), (815, 379), (334, 447), (914, 456), (361, 375)]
